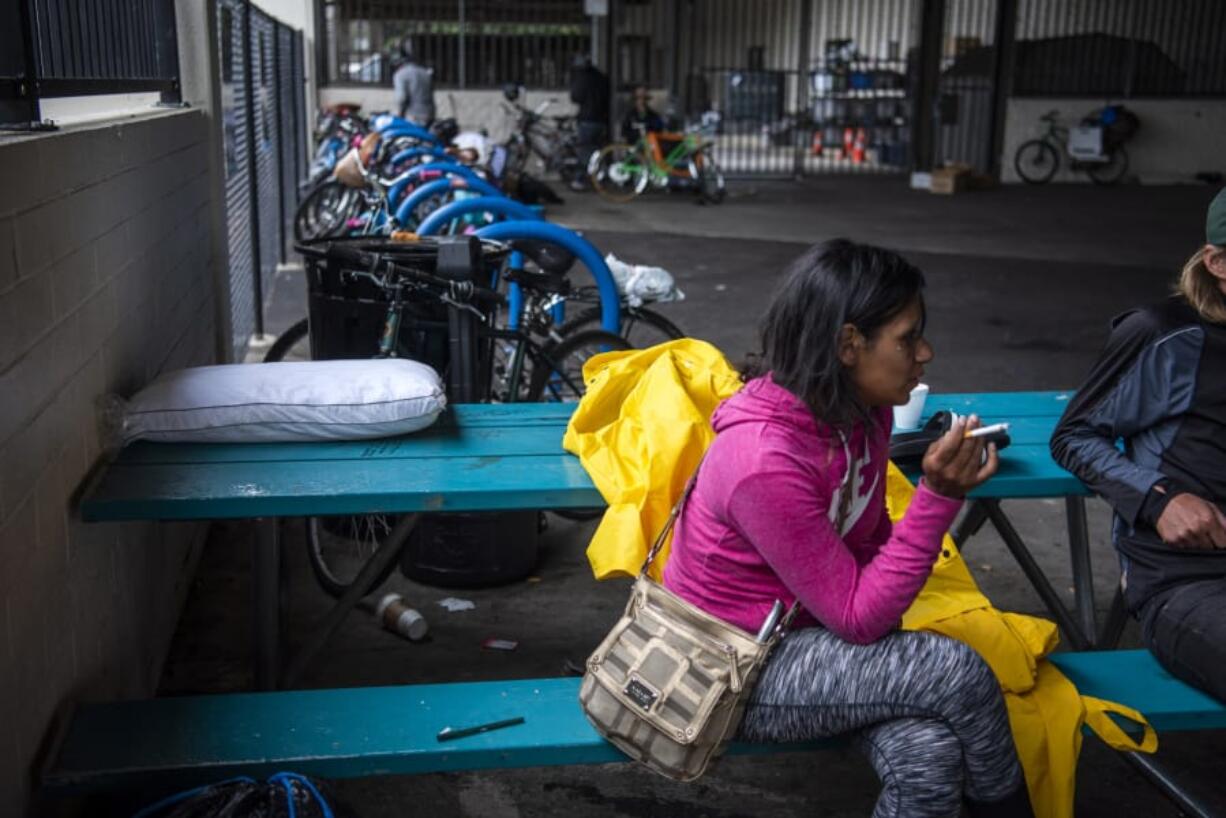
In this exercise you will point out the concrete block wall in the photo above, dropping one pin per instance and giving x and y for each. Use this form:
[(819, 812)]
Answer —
[(106, 279)]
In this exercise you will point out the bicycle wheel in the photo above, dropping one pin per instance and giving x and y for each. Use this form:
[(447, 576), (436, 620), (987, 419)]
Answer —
[(710, 178), (325, 212), (1036, 162), (291, 345), (338, 547), (1111, 171), (557, 376), (557, 371), (640, 326), (618, 172)]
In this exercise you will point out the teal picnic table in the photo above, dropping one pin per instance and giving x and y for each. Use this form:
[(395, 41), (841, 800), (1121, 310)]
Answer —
[(492, 457), (487, 458)]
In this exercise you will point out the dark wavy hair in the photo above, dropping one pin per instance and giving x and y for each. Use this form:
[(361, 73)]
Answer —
[(834, 283)]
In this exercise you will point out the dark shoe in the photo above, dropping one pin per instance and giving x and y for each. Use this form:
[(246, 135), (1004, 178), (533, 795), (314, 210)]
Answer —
[(1014, 805)]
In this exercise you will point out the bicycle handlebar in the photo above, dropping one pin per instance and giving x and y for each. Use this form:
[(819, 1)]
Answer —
[(456, 290)]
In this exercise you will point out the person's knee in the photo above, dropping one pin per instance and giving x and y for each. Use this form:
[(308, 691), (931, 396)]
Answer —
[(1186, 632), (919, 762), (959, 665)]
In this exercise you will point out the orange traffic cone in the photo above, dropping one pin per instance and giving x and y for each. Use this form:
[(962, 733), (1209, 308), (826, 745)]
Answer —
[(816, 150), (848, 139), (857, 148)]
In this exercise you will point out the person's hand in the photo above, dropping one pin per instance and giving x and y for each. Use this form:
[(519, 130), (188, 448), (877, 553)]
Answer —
[(955, 464), (1190, 522)]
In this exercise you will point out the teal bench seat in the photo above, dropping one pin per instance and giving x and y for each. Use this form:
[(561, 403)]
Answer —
[(352, 732)]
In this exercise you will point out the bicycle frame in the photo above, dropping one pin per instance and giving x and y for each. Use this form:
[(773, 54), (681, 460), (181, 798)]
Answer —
[(661, 167)]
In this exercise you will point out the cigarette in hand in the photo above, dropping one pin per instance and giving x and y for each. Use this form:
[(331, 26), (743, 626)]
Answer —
[(987, 430)]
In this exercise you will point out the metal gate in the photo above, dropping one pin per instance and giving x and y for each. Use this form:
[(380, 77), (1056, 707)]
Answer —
[(791, 87), (289, 105), (245, 292), (965, 104), (264, 132)]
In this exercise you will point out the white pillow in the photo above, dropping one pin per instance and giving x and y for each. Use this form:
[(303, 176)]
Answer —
[(288, 401)]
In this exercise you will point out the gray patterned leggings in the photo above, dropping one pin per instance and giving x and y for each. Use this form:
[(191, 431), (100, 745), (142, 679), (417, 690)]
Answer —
[(924, 708)]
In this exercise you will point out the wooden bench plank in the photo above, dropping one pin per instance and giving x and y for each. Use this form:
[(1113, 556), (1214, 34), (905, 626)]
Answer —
[(392, 730), (1134, 678)]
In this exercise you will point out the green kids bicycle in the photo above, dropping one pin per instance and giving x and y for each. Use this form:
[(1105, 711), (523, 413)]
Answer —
[(619, 171)]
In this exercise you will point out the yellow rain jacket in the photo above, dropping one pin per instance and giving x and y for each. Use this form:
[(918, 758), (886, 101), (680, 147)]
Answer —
[(640, 431)]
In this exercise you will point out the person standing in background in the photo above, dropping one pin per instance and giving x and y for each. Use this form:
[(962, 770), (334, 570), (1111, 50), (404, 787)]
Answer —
[(589, 89), (413, 84)]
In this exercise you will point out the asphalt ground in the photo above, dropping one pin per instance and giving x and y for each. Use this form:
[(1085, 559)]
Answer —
[(1021, 285)]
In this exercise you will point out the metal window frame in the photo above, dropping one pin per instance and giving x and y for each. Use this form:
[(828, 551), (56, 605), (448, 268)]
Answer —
[(44, 64)]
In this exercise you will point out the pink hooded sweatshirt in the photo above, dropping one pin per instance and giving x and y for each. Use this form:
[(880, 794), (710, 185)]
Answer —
[(760, 523)]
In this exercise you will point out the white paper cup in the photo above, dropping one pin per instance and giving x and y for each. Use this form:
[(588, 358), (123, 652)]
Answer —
[(908, 415)]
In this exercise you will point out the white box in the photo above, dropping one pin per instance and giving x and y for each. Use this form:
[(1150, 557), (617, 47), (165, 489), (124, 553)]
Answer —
[(1085, 142)]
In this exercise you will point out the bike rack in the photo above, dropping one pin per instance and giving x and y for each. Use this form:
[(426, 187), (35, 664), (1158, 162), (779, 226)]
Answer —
[(452, 168), (393, 126), (412, 153), (404, 211), (610, 300), (494, 205)]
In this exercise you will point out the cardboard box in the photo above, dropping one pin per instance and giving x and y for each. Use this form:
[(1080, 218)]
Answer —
[(950, 179)]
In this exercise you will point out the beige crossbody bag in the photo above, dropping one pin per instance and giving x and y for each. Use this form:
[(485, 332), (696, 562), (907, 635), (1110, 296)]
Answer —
[(669, 684)]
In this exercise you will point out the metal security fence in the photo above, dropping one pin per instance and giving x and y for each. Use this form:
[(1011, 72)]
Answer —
[(263, 132), (1120, 48), (965, 103), (63, 48), (468, 43), (791, 87)]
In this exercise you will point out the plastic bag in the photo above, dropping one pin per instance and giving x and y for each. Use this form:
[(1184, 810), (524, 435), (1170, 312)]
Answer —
[(284, 795), (639, 283)]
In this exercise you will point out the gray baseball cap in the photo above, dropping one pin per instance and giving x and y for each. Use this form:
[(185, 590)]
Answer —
[(1215, 220)]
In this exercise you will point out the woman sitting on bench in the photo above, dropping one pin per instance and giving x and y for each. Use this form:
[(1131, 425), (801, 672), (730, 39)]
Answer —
[(790, 503)]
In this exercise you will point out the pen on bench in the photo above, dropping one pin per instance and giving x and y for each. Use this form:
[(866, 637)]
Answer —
[(447, 733), (987, 430)]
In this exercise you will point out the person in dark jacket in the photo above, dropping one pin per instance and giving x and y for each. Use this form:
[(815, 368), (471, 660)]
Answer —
[(413, 85), (641, 119), (1160, 386), (589, 89)]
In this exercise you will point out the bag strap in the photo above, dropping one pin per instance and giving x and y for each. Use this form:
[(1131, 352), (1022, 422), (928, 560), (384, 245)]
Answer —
[(1098, 720), (654, 551), (784, 621)]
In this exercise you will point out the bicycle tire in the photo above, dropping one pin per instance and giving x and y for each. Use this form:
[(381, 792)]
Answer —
[(1036, 153), (1110, 173), (552, 380), (609, 176), (324, 212), (286, 341), (590, 318), (543, 372), (324, 568)]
